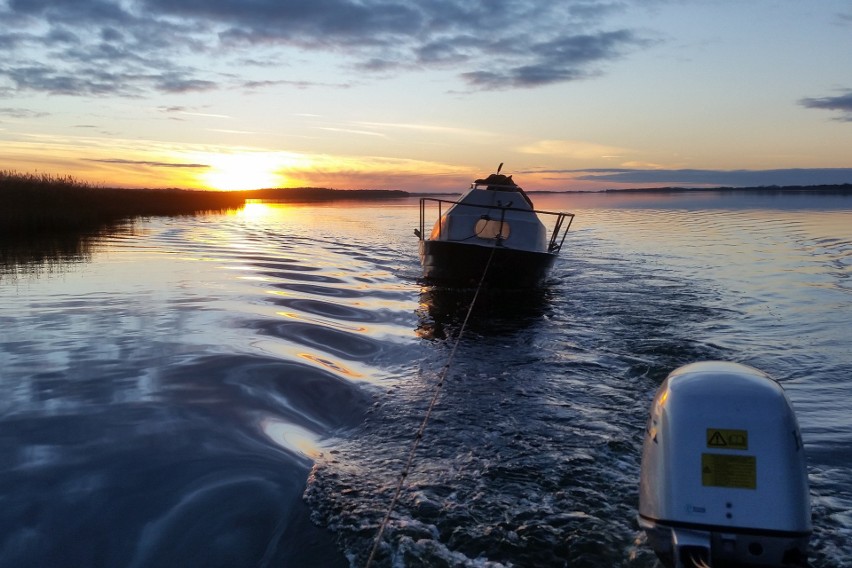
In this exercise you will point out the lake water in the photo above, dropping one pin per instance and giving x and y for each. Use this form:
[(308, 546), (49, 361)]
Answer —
[(242, 390)]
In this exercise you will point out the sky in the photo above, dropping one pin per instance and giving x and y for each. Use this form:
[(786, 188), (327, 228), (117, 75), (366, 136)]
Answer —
[(427, 95)]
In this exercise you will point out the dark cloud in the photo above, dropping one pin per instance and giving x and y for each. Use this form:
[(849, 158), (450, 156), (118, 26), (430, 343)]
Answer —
[(50, 79), (88, 81), (60, 36), (94, 80), (10, 41), (566, 58), (252, 85), (95, 47), (175, 83), (316, 24), (842, 103), (443, 51), (723, 178), (146, 163), (72, 12), (147, 44), (525, 76)]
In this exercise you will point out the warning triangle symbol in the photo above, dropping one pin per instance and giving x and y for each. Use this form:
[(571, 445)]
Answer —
[(717, 439)]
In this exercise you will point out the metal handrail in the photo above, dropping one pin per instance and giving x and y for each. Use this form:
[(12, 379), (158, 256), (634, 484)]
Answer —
[(552, 247)]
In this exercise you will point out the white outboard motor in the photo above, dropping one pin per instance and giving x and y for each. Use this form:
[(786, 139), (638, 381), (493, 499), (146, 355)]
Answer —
[(724, 480)]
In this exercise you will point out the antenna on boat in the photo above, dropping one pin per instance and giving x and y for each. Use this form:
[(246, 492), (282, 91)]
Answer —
[(500, 167)]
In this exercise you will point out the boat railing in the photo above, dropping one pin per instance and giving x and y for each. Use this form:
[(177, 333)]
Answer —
[(561, 220)]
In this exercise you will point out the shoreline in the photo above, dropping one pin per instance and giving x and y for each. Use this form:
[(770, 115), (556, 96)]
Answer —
[(44, 204), (837, 189)]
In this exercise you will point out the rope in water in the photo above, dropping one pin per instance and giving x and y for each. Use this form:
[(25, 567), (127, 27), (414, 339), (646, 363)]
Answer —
[(419, 435)]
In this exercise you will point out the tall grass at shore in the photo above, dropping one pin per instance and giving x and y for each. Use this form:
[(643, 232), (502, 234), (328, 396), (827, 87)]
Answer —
[(38, 204), (33, 204)]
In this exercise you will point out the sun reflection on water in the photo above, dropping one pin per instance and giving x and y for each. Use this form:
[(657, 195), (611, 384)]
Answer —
[(336, 367), (291, 437), (336, 324), (254, 211)]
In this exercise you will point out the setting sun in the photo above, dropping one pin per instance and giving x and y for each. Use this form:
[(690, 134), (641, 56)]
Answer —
[(254, 170)]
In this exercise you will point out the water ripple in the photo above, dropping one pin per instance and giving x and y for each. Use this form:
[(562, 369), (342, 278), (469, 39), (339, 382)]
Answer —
[(173, 394)]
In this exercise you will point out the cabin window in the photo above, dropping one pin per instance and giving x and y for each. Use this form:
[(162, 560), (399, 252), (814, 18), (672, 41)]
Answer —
[(491, 229)]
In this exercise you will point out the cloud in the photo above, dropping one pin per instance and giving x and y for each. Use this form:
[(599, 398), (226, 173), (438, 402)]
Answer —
[(314, 24), (157, 45), (146, 163), (577, 149), (48, 79), (427, 128), (351, 131), (175, 83), (724, 178), (96, 80), (20, 113), (184, 110), (95, 48), (13, 40), (567, 58), (842, 103), (301, 85)]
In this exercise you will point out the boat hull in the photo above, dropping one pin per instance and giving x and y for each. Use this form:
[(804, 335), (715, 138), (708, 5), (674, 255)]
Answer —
[(449, 263)]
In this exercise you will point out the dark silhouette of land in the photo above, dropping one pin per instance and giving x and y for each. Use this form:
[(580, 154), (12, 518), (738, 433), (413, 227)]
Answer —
[(314, 194), (38, 204), (44, 204), (836, 189)]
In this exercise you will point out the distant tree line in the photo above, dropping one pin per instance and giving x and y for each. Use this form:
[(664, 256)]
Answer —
[(835, 189), (312, 194), (37, 204)]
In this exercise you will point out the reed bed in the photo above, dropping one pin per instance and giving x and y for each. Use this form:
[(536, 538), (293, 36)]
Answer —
[(48, 221), (37, 204)]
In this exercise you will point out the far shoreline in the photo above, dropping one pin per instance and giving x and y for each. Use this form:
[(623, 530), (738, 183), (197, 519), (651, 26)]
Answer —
[(38, 204), (835, 189)]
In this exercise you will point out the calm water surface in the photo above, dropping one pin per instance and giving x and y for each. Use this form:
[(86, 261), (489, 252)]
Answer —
[(242, 390)]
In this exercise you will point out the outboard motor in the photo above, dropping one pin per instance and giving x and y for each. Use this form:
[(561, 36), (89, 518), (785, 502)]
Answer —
[(724, 480)]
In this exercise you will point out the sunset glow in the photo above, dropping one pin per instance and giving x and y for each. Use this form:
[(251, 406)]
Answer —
[(582, 94), (243, 171)]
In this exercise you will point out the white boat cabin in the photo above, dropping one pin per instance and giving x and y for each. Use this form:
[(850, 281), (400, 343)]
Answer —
[(491, 212)]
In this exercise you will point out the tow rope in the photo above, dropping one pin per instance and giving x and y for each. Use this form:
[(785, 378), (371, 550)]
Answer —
[(419, 435)]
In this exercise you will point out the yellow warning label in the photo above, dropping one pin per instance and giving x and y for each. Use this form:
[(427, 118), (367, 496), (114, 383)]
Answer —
[(727, 470), (718, 438)]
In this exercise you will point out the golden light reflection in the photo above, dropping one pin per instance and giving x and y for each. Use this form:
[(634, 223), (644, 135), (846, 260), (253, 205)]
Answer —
[(290, 352), (296, 215), (254, 211), (324, 322), (291, 437), (336, 367)]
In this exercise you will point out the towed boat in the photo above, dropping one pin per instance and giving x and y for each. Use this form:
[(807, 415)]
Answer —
[(491, 234)]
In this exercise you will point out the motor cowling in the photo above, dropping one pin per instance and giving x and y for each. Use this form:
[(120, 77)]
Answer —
[(724, 478)]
